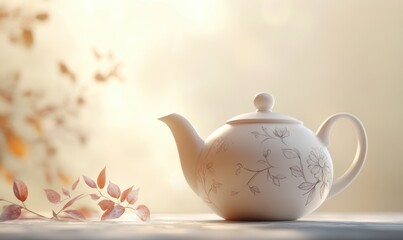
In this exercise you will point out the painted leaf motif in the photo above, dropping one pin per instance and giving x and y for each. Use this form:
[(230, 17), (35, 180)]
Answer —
[(239, 168), (276, 181), (90, 183), (73, 187), (233, 193), (256, 134), (213, 188), (125, 193), (217, 184), (143, 213), (306, 186), (95, 196), (101, 178), (267, 153), (280, 176), (20, 190), (254, 189), (106, 204), (113, 213), (66, 192), (238, 171), (290, 153), (296, 171), (133, 196), (262, 161), (113, 190), (281, 132), (75, 214), (310, 196), (73, 200), (53, 196), (277, 178), (10, 212), (210, 167)]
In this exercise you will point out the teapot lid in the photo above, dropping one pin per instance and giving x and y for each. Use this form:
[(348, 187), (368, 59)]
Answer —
[(264, 103)]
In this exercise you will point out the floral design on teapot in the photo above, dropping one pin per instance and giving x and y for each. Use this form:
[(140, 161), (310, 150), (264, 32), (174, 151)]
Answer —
[(317, 163), (206, 171), (276, 179), (279, 134), (319, 169)]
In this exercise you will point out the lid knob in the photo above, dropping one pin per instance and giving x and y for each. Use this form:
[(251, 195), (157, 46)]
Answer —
[(263, 102)]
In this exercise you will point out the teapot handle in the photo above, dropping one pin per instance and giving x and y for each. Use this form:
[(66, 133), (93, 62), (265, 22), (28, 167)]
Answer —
[(352, 172)]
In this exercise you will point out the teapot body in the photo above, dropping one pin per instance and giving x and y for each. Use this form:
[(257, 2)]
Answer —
[(264, 171), (263, 165)]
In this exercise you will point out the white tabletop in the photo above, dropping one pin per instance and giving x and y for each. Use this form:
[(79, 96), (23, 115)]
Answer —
[(209, 226)]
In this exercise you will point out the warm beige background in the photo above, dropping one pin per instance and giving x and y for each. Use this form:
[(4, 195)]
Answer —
[(206, 60)]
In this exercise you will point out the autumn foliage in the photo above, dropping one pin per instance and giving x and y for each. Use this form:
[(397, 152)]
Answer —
[(31, 123), (113, 204), (31, 135)]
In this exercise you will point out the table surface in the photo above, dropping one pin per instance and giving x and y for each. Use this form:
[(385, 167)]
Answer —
[(210, 226)]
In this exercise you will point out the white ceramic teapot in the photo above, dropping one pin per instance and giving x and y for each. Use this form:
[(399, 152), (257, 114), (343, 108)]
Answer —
[(263, 165)]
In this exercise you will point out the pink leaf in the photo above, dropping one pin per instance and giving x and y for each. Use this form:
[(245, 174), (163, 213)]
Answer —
[(125, 194), (95, 196), (11, 212), (106, 214), (66, 192), (113, 213), (20, 190), (89, 182), (133, 196), (52, 196), (75, 214), (113, 190), (143, 213), (69, 203), (102, 178), (73, 187), (106, 204)]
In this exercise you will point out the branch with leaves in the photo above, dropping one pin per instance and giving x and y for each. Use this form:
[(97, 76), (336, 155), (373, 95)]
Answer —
[(30, 122), (113, 203), (20, 24)]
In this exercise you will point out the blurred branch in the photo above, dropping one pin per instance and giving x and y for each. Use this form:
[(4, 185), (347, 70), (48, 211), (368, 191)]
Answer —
[(38, 124)]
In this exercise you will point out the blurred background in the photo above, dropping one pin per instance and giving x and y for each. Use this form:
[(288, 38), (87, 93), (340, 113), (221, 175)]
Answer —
[(82, 84)]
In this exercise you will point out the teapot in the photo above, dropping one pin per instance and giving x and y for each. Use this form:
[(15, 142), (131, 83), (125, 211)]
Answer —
[(263, 165)]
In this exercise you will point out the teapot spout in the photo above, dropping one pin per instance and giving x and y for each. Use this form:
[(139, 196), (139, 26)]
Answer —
[(189, 145)]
